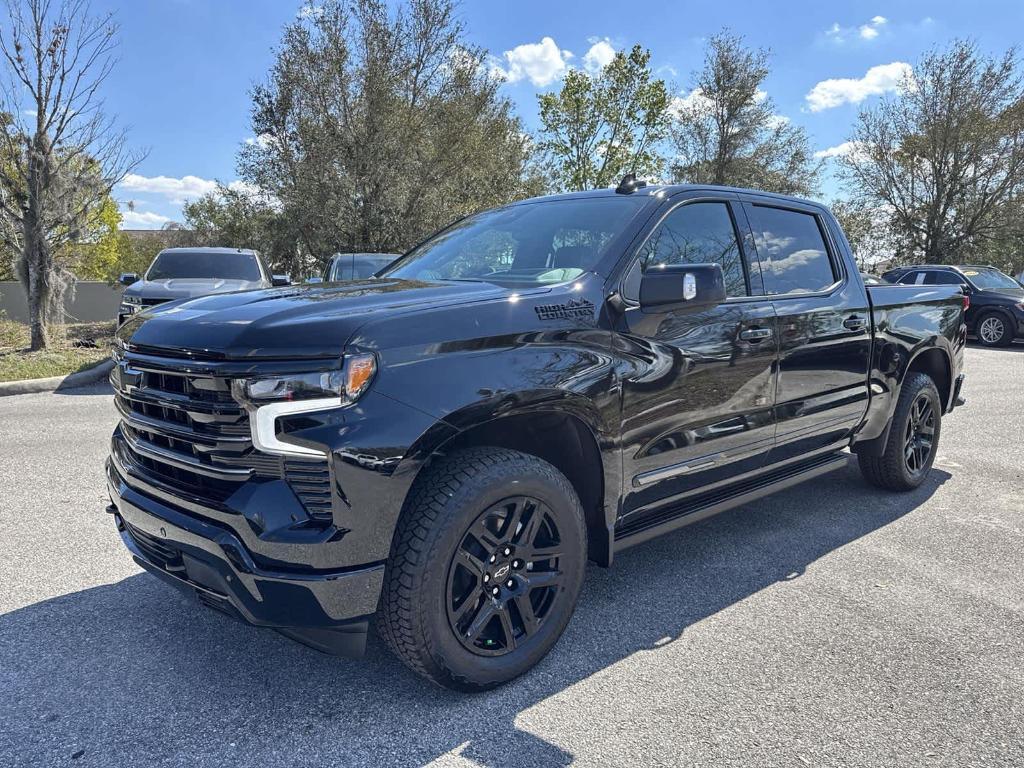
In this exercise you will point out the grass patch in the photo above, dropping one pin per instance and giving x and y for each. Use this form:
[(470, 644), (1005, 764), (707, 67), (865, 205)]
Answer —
[(73, 347)]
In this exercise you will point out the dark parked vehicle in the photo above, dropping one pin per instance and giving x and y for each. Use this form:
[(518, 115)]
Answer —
[(184, 273), (444, 446), (996, 312), (356, 266)]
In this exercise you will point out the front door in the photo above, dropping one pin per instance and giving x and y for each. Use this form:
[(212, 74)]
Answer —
[(697, 407)]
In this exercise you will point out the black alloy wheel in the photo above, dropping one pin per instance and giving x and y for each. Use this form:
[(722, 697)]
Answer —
[(504, 577), (918, 442), (486, 565)]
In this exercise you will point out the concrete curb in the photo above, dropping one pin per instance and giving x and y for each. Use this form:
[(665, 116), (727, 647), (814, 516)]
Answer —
[(79, 379)]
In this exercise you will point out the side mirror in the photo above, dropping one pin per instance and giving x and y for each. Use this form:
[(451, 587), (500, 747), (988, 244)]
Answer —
[(966, 288), (277, 280), (127, 278), (681, 287)]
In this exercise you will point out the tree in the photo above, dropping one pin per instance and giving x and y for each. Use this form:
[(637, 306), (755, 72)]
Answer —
[(377, 125), (726, 131), (866, 231), (945, 155), (599, 127), (239, 218), (61, 154)]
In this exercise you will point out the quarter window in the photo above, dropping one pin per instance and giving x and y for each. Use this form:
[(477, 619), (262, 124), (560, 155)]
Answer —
[(698, 233), (794, 245)]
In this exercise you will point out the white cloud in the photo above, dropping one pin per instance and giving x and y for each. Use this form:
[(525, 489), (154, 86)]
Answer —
[(694, 100), (142, 220), (839, 34), (884, 78), (177, 191), (840, 150), (599, 56), (541, 63), (263, 140)]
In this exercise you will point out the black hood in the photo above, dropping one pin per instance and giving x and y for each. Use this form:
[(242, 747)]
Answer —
[(188, 287), (1010, 294), (297, 322)]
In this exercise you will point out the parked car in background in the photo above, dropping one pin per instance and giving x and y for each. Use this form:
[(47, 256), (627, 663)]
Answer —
[(184, 273), (871, 279), (996, 312), (356, 266), (541, 384)]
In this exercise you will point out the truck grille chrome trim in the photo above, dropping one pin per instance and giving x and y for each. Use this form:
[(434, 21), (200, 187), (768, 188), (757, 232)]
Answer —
[(182, 431)]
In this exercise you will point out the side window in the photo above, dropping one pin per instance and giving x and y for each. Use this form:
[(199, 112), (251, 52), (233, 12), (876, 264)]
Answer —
[(944, 278), (696, 233), (792, 241)]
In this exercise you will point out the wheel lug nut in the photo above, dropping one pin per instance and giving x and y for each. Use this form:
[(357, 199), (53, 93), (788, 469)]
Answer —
[(506, 551), (496, 591), (487, 577), (517, 564), (493, 558), (510, 583)]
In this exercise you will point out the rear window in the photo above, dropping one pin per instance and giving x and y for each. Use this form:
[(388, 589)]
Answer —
[(792, 243), (204, 266)]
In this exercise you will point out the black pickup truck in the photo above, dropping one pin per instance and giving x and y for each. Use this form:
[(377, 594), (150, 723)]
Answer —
[(445, 445)]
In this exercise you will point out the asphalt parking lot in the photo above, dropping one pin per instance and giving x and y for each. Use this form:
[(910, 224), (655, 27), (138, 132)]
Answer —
[(832, 624)]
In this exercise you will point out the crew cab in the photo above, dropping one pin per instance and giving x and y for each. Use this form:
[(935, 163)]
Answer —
[(445, 446), (184, 273), (996, 311)]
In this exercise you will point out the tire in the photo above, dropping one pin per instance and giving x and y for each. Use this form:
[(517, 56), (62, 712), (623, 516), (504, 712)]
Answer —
[(994, 330), (437, 610), (909, 450)]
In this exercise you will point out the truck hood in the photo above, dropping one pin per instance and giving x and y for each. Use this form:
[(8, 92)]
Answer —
[(187, 288), (297, 322)]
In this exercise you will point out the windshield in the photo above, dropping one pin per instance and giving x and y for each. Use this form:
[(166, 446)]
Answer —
[(991, 280), (523, 245), (200, 265)]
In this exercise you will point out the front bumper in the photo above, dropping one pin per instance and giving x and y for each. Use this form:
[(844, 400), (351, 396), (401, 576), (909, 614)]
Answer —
[(328, 610)]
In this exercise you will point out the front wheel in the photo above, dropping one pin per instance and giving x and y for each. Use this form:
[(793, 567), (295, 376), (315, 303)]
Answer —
[(486, 565), (913, 438)]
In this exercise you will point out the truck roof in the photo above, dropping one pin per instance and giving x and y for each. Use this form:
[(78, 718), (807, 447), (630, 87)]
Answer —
[(209, 249), (667, 190)]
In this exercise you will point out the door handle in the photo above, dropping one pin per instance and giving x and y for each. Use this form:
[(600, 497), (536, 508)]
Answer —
[(855, 323), (755, 334)]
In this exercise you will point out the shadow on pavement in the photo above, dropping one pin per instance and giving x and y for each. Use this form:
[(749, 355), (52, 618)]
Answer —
[(134, 673)]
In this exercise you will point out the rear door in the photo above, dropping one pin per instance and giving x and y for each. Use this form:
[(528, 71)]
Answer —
[(698, 408), (824, 322)]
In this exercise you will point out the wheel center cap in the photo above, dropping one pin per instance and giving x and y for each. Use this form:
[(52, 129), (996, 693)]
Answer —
[(502, 571)]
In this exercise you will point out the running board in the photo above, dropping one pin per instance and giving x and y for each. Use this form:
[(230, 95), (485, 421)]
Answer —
[(630, 532)]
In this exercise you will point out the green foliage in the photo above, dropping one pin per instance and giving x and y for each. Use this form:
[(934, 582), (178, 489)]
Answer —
[(378, 124), (597, 128), (103, 248), (727, 130), (945, 157)]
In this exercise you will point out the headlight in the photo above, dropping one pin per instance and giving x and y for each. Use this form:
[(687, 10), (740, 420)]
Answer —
[(136, 300), (346, 384), (269, 398)]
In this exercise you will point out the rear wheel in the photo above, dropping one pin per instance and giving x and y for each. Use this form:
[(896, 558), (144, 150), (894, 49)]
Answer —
[(994, 330), (486, 566), (913, 438)]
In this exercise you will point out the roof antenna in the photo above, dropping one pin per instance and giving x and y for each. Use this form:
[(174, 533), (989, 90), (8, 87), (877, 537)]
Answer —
[(629, 184)]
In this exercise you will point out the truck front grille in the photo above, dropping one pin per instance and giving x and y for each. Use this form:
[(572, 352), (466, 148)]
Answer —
[(186, 434)]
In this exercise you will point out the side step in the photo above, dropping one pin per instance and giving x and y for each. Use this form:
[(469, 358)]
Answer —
[(654, 524)]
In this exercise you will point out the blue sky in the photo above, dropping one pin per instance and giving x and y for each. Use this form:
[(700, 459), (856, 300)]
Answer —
[(186, 66)]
